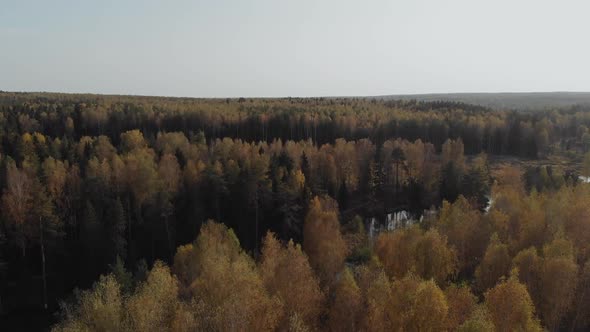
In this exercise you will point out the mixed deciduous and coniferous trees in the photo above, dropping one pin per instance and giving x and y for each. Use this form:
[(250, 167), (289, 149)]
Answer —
[(117, 195)]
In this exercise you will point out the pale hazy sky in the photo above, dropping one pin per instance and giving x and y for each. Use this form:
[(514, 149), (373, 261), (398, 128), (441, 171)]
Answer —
[(222, 48)]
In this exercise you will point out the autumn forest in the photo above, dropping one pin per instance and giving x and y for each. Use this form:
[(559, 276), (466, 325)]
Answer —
[(122, 213)]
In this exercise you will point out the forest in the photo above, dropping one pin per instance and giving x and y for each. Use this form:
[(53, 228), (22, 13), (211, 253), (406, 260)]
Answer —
[(131, 213)]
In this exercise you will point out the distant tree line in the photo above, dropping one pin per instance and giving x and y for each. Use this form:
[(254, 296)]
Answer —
[(323, 120)]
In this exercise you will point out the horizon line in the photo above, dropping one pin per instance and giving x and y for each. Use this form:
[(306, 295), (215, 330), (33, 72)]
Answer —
[(301, 97)]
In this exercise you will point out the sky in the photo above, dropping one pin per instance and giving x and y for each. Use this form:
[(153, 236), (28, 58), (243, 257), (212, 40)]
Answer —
[(279, 48)]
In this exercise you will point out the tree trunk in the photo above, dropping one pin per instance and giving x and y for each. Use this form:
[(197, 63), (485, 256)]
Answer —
[(43, 264)]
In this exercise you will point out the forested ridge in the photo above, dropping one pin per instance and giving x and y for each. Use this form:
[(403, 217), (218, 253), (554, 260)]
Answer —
[(154, 213)]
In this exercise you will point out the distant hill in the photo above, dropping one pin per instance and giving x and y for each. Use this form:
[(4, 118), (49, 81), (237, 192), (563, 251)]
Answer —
[(526, 100)]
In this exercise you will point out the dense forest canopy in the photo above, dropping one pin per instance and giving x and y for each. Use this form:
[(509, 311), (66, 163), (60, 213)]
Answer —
[(154, 213)]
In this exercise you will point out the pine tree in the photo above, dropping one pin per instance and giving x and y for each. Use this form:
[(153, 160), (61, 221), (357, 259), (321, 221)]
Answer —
[(124, 278), (343, 196), (115, 216), (92, 242)]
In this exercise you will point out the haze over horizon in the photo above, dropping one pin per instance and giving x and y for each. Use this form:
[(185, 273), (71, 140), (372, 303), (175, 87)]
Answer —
[(267, 48)]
